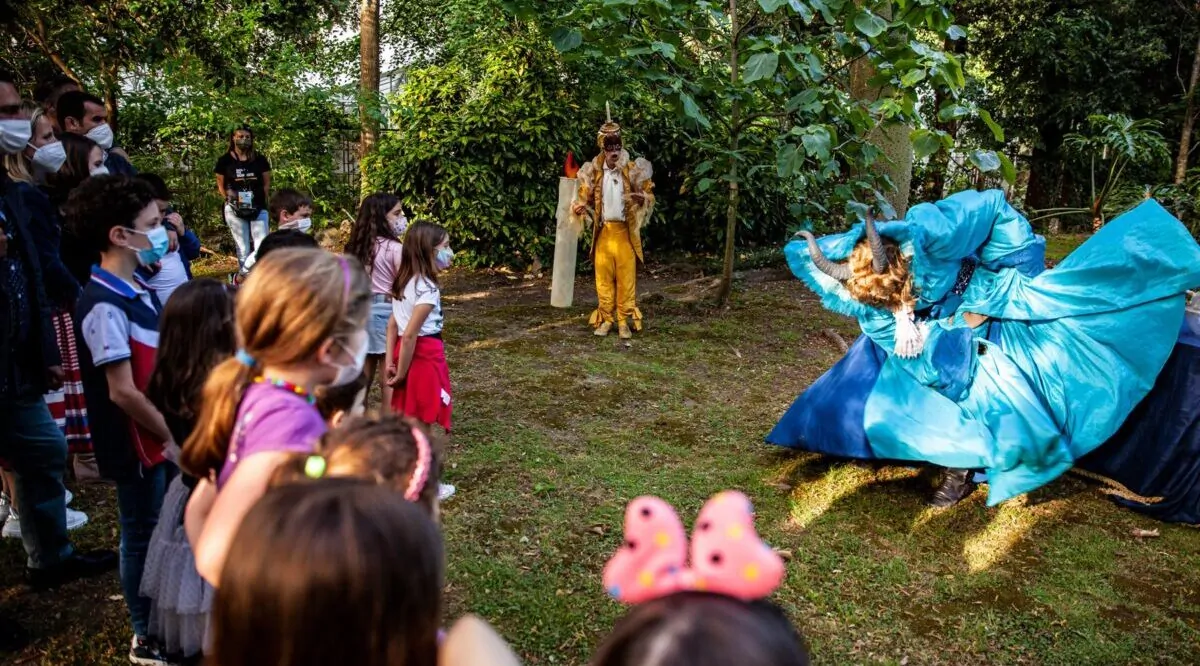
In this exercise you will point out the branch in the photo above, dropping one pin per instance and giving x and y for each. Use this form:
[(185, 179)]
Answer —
[(846, 64), (40, 39)]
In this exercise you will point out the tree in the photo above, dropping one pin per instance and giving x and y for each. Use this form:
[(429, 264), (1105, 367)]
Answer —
[(368, 102), (767, 87)]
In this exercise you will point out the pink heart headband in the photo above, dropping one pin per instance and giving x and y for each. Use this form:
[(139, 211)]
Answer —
[(727, 557)]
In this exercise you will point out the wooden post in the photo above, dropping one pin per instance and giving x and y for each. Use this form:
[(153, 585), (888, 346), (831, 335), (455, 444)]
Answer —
[(566, 247)]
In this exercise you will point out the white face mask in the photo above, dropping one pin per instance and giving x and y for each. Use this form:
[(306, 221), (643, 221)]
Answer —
[(15, 134), (50, 157), (102, 134), (99, 171), (348, 373), (303, 224)]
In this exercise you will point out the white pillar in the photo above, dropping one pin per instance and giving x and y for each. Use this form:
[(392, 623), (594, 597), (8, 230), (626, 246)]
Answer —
[(566, 247)]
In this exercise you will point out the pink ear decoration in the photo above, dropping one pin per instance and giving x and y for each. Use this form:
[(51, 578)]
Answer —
[(416, 483), (727, 556)]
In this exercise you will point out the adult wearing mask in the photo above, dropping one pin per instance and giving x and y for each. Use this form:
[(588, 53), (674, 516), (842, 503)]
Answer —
[(244, 180), (84, 114), (29, 364)]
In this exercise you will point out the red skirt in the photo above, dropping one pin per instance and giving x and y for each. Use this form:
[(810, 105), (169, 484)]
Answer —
[(425, 393)]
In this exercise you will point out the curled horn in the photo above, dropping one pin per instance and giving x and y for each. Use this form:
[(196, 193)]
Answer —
[(879, 258), (840, 272)]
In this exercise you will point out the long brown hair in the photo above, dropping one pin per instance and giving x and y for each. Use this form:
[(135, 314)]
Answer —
[(75, 170), (371, 223), (379, 450), (890, 290), (250, 152), (420, 251), (702, 629), (195, 333), (293, 301), (335, 572)]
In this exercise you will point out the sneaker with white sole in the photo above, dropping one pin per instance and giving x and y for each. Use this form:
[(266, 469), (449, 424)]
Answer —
[(68, 497), (445, 491), (143, 651), (12, 526), (5, 507)]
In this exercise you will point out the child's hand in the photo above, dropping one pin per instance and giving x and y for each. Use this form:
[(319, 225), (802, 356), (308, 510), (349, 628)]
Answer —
[(393, 377)]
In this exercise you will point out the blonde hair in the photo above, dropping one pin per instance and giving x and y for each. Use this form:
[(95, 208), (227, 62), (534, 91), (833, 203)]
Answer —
[(382, 450), (890, 290), (295, 300), (17, 165)]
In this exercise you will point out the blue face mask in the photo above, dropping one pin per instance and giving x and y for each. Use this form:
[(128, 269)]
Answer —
[(445, 257), (158, 246)]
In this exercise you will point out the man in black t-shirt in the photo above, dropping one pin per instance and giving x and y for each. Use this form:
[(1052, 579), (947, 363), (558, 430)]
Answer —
[(244, 180)]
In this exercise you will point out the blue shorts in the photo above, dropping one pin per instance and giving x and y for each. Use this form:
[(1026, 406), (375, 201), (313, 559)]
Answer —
[(377, 323)]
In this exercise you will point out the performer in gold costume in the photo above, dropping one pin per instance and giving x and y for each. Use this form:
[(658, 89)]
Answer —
[(618, 197)]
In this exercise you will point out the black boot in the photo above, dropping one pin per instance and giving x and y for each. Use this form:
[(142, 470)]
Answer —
[(956, 486)]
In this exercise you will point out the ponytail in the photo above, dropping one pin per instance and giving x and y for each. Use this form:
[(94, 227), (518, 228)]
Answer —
[(206, 449)]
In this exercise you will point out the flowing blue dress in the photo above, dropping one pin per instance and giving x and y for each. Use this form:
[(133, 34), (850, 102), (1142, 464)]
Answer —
[(1062, 361)]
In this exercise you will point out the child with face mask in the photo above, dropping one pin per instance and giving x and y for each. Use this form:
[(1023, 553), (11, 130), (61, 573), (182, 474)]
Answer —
[(291, 209), (117, 321), (376, 241), (416, 356), (301, 318)]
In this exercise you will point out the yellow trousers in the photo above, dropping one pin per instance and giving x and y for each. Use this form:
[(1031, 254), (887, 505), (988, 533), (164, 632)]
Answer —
[(616, 278)]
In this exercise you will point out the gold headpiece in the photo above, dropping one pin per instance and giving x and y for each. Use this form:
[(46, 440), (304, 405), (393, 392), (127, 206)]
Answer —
[(609, 129)]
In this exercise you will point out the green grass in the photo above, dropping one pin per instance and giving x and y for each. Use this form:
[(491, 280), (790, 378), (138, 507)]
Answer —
[(556, 430)]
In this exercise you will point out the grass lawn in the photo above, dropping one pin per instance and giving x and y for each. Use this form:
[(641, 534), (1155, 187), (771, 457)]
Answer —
[(556, 430)]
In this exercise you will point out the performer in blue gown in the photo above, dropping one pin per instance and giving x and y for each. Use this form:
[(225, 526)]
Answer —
[(1152, 464), (972, 356)]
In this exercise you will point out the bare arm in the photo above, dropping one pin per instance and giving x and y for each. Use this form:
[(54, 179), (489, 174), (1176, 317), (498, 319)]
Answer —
[(408, 342), (221, 185), (239, 494), (126, 396), (389, 354), (267, 185), (974, 320), (199, 506)]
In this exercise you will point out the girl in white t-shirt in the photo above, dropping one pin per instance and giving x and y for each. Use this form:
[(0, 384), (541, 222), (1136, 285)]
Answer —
[(416, 358)]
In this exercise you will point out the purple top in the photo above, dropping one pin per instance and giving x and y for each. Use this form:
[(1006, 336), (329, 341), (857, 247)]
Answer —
[(271, 419)]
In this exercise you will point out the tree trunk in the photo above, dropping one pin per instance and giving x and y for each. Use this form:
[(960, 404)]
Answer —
[(891, 138), (734, 132), (1189, 120), (368, 75), (1045, 170)]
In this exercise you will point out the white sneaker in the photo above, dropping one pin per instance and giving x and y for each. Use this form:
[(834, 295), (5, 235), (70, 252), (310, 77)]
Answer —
[(12, 526), (76, 519), (445, 491), (69, 496), (5, 507)]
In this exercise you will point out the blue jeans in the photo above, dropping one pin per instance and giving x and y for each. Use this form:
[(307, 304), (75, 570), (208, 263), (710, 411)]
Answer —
[(37, 451), (248, 234), (139, 503)]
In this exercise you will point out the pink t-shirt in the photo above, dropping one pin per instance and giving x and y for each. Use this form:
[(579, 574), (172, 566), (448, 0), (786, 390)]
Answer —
[(271, 419), (387, 262)]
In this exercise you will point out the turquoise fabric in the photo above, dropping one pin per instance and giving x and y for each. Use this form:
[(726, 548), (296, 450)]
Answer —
[(1067, 354)]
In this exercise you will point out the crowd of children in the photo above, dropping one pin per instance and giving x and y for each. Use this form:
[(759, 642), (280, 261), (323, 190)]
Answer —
[(266, 515)]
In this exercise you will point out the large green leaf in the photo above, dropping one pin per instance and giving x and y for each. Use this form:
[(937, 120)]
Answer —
[(566, 39), (666, 49), (985, 160), (693, 110), (1008, 171), (806, 14), (817, 142), (952, 112), (769, 6), (760, 66), (956, 32), (997, 131), (826, 13), (912, 78), (806, 102), (785, 160), (869, 24), (925, 143)]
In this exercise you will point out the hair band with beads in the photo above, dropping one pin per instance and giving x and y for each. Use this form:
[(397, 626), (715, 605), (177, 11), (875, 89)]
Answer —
[(314, 467)]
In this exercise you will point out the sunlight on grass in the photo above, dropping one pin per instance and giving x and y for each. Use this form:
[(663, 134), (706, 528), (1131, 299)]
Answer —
[(811, 500), (1008, 527), (492, 343), (462, 298)]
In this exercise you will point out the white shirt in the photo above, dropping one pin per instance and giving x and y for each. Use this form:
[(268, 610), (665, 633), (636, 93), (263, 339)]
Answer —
[(419, 291), (170, 276), (614, 195)]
